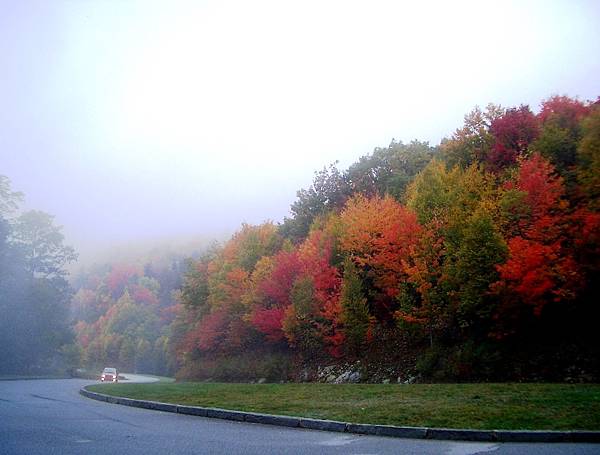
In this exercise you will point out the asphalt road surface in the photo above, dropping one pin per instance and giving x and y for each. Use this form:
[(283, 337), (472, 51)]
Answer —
[(50, 417)]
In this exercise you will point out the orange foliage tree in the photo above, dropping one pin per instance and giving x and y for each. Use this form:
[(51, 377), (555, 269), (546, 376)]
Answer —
[(378, 234)]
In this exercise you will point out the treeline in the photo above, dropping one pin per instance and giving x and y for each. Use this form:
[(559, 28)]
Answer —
[(475, 259), (35, 332)]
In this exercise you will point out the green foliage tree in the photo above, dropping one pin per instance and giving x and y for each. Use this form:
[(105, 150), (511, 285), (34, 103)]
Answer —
[(471, 143), (560, 133), (41, 243), (444, 198), (558, 144), (389, 170), (448, 271), (301, 322), (9, 200), (143, 356), (473, 269), (355, 311), (127, 355), (588, 154), (34, 295), (328, 191)]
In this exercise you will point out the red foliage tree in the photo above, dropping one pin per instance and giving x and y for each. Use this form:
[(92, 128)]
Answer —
[(316, 255), (568, 112), (540, 266), (119, 277), (543, 190), (311, 259), (269, 321), (513, 132), (276, 287), (528, 271), (273, 295), (210, 333), (140, 294)]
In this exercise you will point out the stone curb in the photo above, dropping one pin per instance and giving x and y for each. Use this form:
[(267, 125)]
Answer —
[(356, 428)]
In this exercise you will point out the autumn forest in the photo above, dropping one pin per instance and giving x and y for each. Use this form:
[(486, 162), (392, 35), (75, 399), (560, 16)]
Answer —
[(473, 260)]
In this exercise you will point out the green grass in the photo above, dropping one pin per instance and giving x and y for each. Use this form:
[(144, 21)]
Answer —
[(478, 406)]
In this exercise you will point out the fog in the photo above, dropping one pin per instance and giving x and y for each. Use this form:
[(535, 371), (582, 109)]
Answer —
[(153, 122)]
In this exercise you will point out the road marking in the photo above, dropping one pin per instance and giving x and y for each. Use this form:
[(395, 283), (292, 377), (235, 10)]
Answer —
[(48, 398), (470, 448), (339, 441)]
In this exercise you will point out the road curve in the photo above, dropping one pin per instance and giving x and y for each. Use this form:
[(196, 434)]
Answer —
[(130, 377), (50, 417)]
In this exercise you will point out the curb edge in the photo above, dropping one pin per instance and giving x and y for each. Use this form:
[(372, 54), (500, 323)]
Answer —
[(450, 434)]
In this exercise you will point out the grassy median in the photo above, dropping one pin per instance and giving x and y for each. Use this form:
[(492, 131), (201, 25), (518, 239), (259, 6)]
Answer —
[(478, 406)]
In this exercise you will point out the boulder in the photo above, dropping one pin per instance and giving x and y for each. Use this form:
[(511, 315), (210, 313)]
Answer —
[(348, 376)]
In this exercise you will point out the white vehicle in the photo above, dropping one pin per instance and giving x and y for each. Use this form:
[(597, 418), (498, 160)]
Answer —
[(110, 375)]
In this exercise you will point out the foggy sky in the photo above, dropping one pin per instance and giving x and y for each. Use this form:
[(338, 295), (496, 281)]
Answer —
[(142, 121)]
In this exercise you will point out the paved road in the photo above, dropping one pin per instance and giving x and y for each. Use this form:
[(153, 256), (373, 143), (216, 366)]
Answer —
[(50, 417)]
